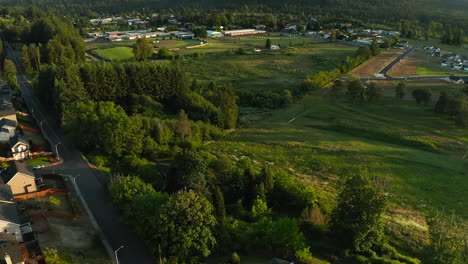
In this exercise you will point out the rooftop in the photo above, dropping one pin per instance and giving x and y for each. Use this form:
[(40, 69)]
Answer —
[(9, 245), (7, 122), (15, 167), (5, 193), (9, 213), (18, 139)]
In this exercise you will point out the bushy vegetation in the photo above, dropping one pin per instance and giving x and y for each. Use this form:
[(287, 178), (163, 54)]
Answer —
[(135, 103)]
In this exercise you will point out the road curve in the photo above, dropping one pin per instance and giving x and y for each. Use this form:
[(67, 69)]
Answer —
[(93, 189)]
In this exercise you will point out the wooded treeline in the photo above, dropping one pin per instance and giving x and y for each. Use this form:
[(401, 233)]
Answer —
[(270, 13), (126, 108)]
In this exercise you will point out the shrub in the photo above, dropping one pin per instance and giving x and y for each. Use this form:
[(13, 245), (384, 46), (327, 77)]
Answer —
[(304, 256), (235, 259), (291, 194), (98, 160), (361, 260)]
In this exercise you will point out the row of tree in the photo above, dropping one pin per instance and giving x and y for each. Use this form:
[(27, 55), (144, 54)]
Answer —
[(59, 85), (455, 105), (224, 206), (322, 78)]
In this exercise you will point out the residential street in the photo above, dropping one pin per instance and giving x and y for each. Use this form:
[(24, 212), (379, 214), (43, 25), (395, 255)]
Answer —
[(394, 62), (93, 190)]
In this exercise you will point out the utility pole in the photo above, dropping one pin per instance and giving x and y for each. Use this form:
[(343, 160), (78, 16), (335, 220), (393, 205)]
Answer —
[(160, 260), (116, 256)]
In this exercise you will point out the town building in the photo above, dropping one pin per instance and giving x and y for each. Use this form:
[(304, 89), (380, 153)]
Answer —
[(242, 32)]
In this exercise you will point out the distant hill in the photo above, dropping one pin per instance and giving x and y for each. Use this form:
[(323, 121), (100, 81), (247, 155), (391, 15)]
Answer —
[(383, 10)]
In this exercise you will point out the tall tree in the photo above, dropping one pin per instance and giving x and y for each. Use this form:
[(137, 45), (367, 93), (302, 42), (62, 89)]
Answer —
[(441, 105), (373, 92), (25, 59), (356, 90), (188, 172), (400, 90), (218, 202), (9, 73), (268, 43), (182, 128), (357, 221), (422, 95), (337, 89), (142, 49), (200, 33), (185, 226), (374, 48)]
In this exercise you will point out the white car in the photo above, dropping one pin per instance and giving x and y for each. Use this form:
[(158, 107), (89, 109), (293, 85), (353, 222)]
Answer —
[(40, 166)]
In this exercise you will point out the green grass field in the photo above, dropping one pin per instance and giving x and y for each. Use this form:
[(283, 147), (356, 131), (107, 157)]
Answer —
[(268, 71), (436, 70), (116, 53), (168, 43), (419, 152), (226, 44)]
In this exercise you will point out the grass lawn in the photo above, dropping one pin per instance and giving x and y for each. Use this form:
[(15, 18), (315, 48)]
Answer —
[(436, 87), (38, 161), (225, 44), (388, 139), (171, 44), (436, 71), (267, 71), (116, 53)]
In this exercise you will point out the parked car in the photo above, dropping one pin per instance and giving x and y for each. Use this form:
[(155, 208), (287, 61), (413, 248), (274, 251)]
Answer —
[(40, 166)]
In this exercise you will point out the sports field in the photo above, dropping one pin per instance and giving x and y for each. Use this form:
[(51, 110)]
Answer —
[(122, 50), (116, 53)]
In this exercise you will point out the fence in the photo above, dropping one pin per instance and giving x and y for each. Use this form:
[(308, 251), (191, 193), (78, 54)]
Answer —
[(30, 129), (22, 197)]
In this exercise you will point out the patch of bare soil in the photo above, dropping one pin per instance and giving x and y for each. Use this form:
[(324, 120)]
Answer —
[(376, 64), (68, 234), (405, 67)]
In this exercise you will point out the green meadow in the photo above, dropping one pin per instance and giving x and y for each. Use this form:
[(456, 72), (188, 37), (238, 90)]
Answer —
[(267, 71), (418, 154)]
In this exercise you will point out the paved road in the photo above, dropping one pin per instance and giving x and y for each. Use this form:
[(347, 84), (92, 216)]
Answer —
[(408, 78), (92, 188), (395, 61)]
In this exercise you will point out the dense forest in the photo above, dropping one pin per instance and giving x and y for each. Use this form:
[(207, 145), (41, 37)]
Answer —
[(376, 11)]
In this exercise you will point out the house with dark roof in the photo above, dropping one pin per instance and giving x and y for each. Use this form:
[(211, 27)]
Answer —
[(7, 130), (10, 250), (19, 177), (8, 113), (10, 228), (456, 80), (20, 148)]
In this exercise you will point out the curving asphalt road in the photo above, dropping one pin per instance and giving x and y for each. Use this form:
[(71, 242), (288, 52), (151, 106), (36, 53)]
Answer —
[(92, 188)]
